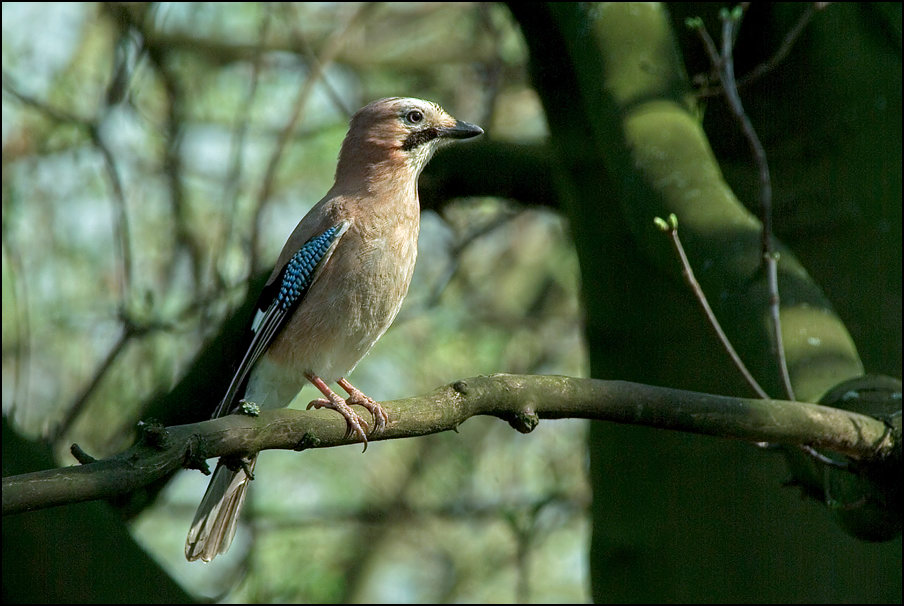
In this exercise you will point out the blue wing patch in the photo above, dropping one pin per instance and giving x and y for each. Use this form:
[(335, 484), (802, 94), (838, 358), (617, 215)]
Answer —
[(296, 278), (300, 270)]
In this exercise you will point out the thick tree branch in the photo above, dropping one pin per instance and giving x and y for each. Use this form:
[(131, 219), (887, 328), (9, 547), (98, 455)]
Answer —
[(519, 399)]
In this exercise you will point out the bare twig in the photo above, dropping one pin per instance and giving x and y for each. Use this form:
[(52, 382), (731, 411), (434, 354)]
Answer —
[(730, 21), (724, 62), (671, 228), (776, 59)]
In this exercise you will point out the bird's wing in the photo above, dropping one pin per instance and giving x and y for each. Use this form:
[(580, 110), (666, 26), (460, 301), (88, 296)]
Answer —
[(280, 299)]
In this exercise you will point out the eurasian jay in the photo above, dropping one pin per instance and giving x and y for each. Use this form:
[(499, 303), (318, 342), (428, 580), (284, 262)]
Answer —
[(337, 286)]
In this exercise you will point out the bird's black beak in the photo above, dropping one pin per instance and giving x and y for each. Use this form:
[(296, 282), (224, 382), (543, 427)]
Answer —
[(461, 130)]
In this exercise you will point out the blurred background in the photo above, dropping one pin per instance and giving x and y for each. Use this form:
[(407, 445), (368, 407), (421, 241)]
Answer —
[(157, 155)]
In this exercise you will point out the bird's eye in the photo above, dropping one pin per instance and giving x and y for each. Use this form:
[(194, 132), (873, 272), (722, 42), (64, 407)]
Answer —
[(415, 116)]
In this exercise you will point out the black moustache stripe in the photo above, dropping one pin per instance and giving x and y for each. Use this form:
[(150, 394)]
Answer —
[(419, 137)]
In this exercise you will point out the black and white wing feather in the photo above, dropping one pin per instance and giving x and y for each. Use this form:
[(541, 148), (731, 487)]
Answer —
[(293, 283)]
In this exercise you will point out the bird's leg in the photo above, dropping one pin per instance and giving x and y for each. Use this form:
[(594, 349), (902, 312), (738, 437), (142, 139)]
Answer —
[(236, 463), (333, 401), (357, 397)]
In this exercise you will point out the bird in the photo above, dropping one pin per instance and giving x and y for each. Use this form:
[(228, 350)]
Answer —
[(335, 289)]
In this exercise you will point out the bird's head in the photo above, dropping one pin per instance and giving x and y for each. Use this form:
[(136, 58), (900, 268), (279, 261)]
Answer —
[(398, 133)]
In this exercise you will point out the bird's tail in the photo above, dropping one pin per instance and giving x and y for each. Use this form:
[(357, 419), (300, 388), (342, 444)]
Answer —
[(215, 521)]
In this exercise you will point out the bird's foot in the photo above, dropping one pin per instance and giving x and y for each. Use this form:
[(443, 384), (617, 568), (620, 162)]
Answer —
[(239, 463), (357, 398), (354, 423)]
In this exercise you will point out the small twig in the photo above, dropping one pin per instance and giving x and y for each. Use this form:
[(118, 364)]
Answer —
[(787, 44), (80, 455), (724, 63), (671, 228), (780, 55), (696, 24), (730, 21), (726, 71)]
